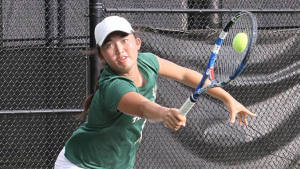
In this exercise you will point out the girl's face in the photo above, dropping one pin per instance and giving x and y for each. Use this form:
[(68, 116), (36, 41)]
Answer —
[(120, 51)]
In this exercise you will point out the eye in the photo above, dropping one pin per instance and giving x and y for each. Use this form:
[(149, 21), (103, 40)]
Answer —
[(108, 46), (125, 40)]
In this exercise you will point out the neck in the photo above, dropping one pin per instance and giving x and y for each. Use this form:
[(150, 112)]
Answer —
[(136, 76)]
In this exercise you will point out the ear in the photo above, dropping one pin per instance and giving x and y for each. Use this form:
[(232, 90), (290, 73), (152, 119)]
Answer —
[(101, 57), (138, 42)]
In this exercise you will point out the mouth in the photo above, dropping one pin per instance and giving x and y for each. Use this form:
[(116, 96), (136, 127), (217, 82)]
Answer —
[(123, 58)]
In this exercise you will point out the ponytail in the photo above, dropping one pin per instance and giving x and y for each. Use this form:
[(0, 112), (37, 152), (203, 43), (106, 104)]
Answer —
[(87, 102)]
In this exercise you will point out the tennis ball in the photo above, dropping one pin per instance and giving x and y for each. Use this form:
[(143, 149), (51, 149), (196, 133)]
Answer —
[(240, 42)]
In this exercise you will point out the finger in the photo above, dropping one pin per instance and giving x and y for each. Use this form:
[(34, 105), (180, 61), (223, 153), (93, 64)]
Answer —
[(168, 125), (250, 113), (174, 122), (176, 128), (232, 117), (181, 118), (245, 119), (170, 121), (240, 119), (177, 114)]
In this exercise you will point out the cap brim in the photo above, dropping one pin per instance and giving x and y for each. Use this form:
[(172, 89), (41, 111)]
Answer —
[(110, 32)]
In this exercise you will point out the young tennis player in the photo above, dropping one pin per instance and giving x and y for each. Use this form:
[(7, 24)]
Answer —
[(125, 99)]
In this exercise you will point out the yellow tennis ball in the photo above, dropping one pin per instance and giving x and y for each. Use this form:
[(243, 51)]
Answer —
[(240, 42)]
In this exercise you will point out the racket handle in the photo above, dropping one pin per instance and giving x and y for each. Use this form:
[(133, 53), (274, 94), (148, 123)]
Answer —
[(187, 105)]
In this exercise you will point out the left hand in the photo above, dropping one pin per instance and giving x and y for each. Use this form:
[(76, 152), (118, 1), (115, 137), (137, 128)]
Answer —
[(236, 108)]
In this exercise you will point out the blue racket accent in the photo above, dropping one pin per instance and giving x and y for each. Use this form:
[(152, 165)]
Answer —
[(232, 63)]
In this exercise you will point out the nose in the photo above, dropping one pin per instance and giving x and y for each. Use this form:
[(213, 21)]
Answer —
[(119, 48)]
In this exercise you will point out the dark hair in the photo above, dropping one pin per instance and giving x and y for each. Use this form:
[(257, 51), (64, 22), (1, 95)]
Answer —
[(88, 100)]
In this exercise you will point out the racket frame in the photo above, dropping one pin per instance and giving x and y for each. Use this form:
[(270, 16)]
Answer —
[(209, 71)]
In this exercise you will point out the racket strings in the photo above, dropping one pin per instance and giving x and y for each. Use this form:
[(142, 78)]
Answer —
[(228, 58)]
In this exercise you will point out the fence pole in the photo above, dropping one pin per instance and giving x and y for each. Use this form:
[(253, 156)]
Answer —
[(61, 22), (96, 11)]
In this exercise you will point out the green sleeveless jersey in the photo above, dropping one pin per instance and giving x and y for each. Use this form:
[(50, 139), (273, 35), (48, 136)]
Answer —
[(110, 138)]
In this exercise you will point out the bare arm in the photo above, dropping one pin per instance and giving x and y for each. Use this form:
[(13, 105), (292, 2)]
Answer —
[(192, 78), (135, 104)]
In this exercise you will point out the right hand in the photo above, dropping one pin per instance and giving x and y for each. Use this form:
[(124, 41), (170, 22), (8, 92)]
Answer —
[(173, 119)]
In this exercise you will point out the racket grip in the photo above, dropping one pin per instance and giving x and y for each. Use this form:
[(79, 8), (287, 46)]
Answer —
[(187, 105)]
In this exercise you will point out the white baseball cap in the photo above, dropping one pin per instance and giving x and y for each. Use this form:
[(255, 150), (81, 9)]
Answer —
[(111, 24)]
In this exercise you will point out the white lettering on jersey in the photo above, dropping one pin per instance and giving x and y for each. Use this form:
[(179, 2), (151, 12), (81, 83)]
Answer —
[(135, 119), (154, 91), (141, 134)]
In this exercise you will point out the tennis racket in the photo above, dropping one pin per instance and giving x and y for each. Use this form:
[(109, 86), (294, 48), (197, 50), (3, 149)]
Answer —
[(225, 63)]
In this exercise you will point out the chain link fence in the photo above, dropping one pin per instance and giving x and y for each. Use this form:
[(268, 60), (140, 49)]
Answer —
[(45, 77)]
